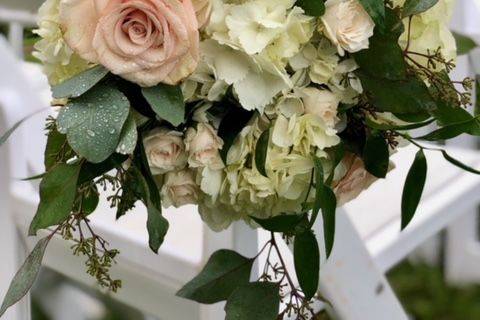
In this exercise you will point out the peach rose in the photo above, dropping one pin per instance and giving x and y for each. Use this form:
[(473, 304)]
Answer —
[(143, 41), (203, 9), (355, 180)]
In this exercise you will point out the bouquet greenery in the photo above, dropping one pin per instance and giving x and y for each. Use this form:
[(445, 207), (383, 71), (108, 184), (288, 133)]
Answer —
[(267, 111)]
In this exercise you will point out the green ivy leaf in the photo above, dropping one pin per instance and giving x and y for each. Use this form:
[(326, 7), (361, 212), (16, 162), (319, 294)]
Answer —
[(410, 96), (80, 83), (282, 223), (231, 125), (376, 155), (464, 44), (413, 188), (25, 276), (225, 271), (55, 142), (128, 137), (167, 102), (314, 8), (376, 10), (326, 201), (261, 150), (413, 7), (57, 194), (93, 122), (256, 300), (459, 164), (306, 255)]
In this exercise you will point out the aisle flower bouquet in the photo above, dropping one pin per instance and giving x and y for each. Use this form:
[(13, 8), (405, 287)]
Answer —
[(266, 111)]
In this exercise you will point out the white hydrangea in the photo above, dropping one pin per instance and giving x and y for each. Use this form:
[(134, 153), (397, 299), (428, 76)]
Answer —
[(59, 60)]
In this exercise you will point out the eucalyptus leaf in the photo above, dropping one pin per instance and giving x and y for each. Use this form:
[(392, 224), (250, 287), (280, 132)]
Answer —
[(326, 201), (376, 155), (261, 150), (128, 137), (282, 223), (314, 8), (93, 122), (464, 43), (57, 194), (256, 300), (413, 188), (376, 10), (413, 7), (224, 272), (458, 163), (306, 255), (167, 102), (80, 83), (25, 276), (231, 125)]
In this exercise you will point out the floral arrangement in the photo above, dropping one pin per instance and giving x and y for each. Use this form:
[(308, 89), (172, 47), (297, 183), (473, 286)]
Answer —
[(267, 111)]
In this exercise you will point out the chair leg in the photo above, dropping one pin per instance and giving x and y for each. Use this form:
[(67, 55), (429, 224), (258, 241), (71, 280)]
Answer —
[(351, 281)]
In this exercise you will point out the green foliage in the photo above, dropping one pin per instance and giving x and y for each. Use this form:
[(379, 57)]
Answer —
[(452, 130), (314, 8), (326, 201), (413, 7), (256, 300), (224, 272), (93, 122), (261, 150), (458, 163), (413, 188), (80, 83), (386, 126), (57, 195), (128, 137), (338, 152), (57, 149), (376, 155), (285, 223), (465, 44), (167, 102), (232, 123), (376, 10), (25, 277), (306, 256)]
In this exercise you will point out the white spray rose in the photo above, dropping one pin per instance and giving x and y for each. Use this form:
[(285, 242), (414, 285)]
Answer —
[(322, 103), (165, 150), (203, 145), (347, 25), (179, 188)]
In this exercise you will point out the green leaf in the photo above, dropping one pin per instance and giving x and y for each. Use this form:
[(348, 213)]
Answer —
[(459, 164), (338, 154), (90, 171), (413, 188), (306, 255), (57, 194), (167, 102), (79, 84), (231, 125), (225, 271), (256, 300), (451, 131), (90, 202), (388, 126), (464, 44), (25, 276), (128, 137), (326, 201), (413, 7), (476, 109), (261, 150), (314, 8), (93, 122), (283, 223), (55, 143), (410, 96), (376, 10), (376, 155)]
